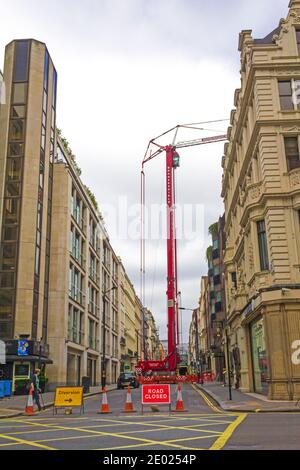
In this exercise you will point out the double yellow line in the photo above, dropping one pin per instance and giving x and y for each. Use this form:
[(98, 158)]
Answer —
[(222, 440), (207, 400)]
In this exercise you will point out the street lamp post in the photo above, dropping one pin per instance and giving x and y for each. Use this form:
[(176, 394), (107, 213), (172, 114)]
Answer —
[(228, 364), (103, 367), (221, 325)]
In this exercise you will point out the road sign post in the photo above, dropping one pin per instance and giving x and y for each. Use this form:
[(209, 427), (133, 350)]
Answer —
[(68, 397), (156, 394)]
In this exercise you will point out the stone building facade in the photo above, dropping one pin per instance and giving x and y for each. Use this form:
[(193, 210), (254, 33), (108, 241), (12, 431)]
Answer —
[(261, 191), (62, 286)]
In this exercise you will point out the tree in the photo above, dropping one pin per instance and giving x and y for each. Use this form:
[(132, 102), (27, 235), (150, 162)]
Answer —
[(213, 229)]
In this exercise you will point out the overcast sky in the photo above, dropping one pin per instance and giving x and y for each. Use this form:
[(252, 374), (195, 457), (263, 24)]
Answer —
[(127, 71)]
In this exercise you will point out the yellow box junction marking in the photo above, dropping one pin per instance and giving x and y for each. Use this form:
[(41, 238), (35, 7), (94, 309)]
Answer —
[(222, 440)]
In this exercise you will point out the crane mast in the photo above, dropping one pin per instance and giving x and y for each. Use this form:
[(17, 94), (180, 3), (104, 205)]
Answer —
[(170, 363)]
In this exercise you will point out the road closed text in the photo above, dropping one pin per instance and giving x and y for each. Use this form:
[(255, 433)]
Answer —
[(156, 394)]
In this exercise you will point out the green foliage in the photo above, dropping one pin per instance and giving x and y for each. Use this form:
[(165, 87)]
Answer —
[(209, 253), (92, 197), (68, 149), (213, 229)]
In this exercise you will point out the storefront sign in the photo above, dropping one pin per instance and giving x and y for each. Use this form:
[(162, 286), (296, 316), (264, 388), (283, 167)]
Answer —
[(23, 347)]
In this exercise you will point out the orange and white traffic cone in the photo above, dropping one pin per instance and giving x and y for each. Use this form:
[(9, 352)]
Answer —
[(29, 406), (104, 406), (128, 405), (179, 402)]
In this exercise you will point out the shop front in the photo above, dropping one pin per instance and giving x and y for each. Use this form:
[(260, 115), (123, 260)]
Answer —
[(22, 357), (260, 364)]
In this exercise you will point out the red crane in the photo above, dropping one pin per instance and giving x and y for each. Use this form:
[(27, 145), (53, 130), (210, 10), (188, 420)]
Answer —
[(170, 363)]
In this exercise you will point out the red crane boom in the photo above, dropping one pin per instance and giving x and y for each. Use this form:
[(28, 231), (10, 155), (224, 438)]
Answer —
[(170, 363)]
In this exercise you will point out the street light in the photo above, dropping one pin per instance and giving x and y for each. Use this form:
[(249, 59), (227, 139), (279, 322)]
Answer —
[(103, 368), (219, 324)]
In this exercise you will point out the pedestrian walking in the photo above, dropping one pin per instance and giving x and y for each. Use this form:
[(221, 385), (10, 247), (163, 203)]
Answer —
[(35, 385)]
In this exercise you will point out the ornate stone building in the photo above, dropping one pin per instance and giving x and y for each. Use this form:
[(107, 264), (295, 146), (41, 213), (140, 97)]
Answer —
[(261, 191)]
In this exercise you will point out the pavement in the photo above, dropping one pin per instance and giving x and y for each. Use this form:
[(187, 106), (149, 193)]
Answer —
[(15, 405), (246, 402)]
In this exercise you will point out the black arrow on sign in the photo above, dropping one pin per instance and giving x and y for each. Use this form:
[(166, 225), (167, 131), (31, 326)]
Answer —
[(69, 400)]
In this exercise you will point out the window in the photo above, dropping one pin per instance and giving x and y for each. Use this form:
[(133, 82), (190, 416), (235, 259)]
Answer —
[(37, 260), (70, 280), (54, 86), (292, 152), (286, 95), (46, 70), (13, 169), (18, 111), (7, 279), (298, 39), (289, 94), (234, 280), (12, 189), (71, 241), (21, 61), (10, 233), (19, 93), (77, 244), (11, 210), (16, 129), (41, 180), (262, 244), (15, 149), (6, 300), (8, 255)]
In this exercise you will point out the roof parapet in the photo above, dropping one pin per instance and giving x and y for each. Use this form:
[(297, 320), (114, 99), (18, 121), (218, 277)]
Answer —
[(245, 36)]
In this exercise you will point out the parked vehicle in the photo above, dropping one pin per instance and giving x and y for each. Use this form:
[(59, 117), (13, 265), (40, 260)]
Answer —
[(127, 378)]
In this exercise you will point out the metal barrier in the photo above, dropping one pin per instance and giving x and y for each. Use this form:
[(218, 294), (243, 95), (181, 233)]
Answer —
[(175, 379)]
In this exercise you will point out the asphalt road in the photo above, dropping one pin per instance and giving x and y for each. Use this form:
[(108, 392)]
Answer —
[(202, 427)]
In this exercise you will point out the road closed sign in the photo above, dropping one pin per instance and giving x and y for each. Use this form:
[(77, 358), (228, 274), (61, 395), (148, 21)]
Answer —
[(68, 396), (156, 394)]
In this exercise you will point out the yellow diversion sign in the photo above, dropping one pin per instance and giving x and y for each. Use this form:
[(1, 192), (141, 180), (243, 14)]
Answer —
[(68, 397)]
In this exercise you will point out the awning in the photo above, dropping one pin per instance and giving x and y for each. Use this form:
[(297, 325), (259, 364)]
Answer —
[(13, 357)]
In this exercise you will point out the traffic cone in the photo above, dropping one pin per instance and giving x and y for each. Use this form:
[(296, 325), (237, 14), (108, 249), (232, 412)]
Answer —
[(29, 407), (179, 402), (104, 406), (128, 405)]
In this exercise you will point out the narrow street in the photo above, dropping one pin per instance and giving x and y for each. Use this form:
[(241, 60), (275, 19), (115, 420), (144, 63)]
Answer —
[(204, 426)]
